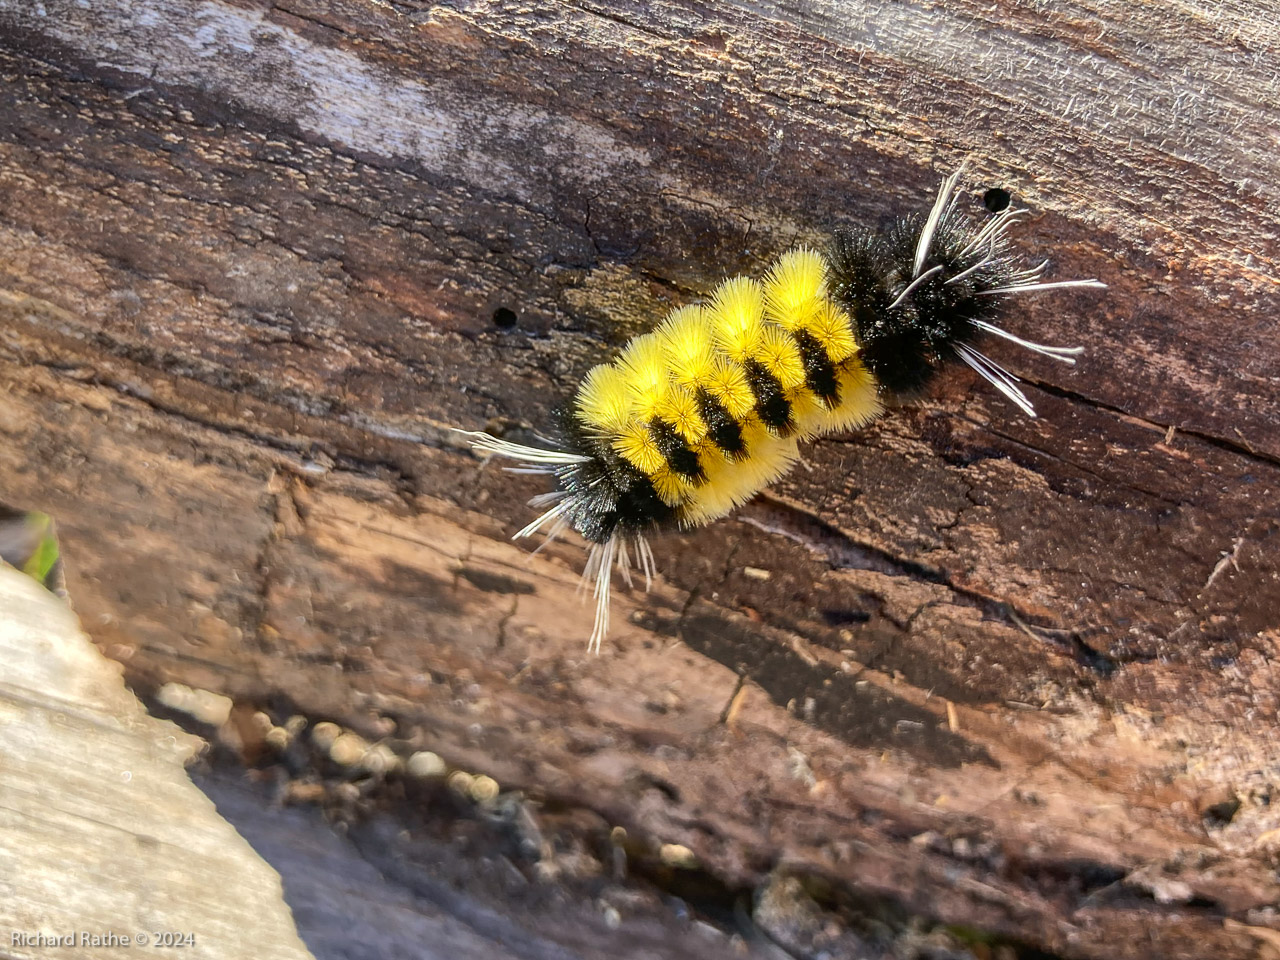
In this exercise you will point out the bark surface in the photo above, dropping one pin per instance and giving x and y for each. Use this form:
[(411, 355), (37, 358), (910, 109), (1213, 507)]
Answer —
[(1008, 674)]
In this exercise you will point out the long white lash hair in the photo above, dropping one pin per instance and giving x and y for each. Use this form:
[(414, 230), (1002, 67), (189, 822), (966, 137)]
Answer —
[(991, 236), (602, 558), (531, 459)]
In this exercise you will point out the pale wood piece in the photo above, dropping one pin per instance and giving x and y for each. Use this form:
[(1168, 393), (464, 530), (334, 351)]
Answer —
[(102, 834)]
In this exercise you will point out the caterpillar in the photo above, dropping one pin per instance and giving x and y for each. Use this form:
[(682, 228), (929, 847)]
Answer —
[(697, 416)]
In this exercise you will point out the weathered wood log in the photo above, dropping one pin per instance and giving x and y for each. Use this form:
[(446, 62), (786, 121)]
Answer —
[(1007, 673)]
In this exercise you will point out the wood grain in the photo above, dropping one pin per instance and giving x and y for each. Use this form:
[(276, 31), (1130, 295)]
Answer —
[(252, 260)]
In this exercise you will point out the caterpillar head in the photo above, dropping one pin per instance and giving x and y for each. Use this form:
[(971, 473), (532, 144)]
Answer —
[(923, 292)]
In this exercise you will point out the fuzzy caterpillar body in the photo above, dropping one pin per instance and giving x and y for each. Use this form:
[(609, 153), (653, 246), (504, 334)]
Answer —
[(699, 415), (708, 408)]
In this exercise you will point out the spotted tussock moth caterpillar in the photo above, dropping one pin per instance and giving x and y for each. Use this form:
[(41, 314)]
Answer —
[(705, 411)]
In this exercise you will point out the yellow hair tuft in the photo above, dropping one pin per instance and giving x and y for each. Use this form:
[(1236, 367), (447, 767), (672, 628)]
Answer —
[(680, 409), (778, 352), (795, 288), (635, 443), (833, 329), (736, 316), (728, 383), (689, 346), (673, 489), (732, 483), (859, 402), (807, 411), (604, 403), (644, 366)]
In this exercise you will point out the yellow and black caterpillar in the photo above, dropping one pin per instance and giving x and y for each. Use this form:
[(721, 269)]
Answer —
[(697, 416)]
